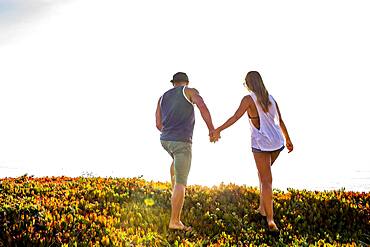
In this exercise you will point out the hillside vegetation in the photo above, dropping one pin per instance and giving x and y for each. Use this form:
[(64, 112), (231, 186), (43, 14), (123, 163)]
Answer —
[(63, 211)]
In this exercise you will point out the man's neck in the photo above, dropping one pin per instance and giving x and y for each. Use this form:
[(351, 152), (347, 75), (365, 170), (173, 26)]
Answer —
[(179, 84)]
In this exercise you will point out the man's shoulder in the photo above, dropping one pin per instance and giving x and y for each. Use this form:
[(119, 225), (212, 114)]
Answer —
[(168, 92), (191, 91)]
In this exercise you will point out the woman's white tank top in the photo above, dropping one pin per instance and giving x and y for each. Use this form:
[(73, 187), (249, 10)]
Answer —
[(269, 137)]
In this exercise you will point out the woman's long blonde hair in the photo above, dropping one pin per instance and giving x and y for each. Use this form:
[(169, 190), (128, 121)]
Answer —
[(255, 84)]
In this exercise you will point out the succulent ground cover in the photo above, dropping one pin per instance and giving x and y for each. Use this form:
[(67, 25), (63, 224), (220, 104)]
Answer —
[(64, 211)]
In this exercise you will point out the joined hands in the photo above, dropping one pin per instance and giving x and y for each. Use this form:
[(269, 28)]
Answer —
[(214, 135)]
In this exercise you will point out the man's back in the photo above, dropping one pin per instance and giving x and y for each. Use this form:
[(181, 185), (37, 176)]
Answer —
[(177, 114), (175, 120)]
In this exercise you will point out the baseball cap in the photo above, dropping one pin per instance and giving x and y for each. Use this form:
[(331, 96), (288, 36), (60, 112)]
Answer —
[(180, 77)]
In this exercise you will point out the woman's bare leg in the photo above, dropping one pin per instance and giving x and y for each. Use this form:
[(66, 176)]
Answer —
[(274, 156), (261, 207), (263, 163)]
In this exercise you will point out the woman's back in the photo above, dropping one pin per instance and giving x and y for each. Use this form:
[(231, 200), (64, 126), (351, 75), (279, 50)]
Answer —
[(266, 132), (267, 129)]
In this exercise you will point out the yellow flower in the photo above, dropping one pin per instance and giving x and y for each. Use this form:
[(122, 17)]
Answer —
[(105, 240), (149, 202)]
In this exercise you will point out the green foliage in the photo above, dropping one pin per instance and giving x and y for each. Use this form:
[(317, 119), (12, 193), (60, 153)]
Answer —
[(95, 211)]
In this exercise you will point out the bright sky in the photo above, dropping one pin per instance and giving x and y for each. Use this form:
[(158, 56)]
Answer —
[(80, 79)]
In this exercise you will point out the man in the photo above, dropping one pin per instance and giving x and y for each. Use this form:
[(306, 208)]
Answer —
[(175, 119)]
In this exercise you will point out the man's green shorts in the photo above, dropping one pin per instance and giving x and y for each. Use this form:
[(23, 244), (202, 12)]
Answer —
[(181, 154)]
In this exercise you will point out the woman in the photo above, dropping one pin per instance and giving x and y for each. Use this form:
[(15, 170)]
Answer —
[(267, 129)]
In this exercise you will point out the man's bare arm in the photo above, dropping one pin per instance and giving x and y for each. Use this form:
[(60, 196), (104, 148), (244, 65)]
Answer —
[(194, 97), (158, 118)]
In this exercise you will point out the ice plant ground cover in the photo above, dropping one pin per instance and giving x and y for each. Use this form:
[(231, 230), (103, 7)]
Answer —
[(63, 211)]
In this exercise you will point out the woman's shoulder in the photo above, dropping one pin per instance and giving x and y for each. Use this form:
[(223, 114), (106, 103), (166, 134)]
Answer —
[(249, 96), (247, 99)]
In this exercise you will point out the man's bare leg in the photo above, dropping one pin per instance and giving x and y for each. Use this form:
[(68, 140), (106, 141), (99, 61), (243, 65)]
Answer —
[(172, 173), (177, 202)]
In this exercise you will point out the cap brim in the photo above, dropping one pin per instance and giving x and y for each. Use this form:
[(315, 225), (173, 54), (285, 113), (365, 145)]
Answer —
[(179, 81)]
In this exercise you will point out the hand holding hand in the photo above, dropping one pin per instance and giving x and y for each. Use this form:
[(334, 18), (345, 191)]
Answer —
[(214, 136)]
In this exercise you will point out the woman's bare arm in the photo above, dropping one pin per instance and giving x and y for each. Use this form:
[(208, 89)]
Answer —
[(237, 115), (284, 129)]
